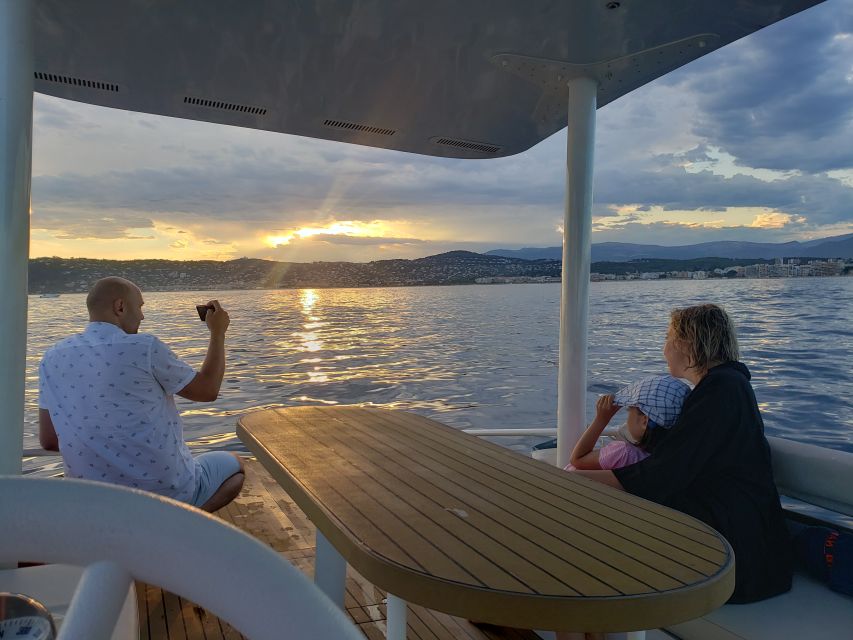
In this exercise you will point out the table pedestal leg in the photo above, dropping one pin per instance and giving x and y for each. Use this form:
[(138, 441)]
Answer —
[(330, 571), (395, 619)]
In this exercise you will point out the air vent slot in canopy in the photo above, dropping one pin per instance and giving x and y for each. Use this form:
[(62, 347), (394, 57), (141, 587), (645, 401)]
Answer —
[(225, 106), (470, 145), (76, 82), (352, 126)]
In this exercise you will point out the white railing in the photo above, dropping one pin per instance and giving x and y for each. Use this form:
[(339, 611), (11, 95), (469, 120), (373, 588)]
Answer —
[(120, 534)]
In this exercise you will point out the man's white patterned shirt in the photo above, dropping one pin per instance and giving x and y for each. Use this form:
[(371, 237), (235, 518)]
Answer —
[(110, 395)]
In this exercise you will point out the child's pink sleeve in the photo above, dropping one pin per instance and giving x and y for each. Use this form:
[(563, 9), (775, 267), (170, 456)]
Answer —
[(620, 454)]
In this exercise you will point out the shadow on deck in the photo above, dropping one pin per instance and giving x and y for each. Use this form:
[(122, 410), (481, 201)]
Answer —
[(265, 511)]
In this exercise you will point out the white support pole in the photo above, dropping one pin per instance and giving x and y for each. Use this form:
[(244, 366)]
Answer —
[(16, 150), (96, 605), (330, 570), (574, 303), (395, 618)]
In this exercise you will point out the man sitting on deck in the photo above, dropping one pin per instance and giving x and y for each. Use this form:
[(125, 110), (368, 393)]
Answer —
[(106, 402)]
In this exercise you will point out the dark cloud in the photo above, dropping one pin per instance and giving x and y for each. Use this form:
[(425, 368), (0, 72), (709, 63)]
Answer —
[(268, 193), (680, 234), (268, 189), (783, 97), (73, 224), (820, 198)]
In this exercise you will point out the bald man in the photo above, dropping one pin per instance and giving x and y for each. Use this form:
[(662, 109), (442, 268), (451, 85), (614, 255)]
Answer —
[(106, 403)]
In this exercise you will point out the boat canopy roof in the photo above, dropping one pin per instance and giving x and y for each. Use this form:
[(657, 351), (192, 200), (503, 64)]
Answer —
[(472, 79)]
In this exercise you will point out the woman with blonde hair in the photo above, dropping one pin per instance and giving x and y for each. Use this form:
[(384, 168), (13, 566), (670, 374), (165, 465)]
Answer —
[(714, 464)]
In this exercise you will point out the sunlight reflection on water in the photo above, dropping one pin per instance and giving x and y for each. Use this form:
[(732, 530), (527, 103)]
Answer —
[(484, 356)]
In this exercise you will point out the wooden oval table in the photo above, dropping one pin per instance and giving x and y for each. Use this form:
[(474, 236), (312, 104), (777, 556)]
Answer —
[(446, 520)]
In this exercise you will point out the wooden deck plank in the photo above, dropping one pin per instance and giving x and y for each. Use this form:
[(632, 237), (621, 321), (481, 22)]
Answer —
[(359, 615), (453, 627), (142, 609), (360, 592), (174, 618), (210, 625), (372, 631), (415, 628), (156, 615), (190, 613)]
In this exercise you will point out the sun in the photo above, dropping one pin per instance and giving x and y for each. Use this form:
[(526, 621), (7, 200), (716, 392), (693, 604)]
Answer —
[(375, 229)]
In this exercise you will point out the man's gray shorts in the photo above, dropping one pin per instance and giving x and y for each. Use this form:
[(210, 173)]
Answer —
[(215, 467)]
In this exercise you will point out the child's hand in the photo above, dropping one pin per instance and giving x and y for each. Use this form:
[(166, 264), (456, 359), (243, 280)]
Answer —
[(605, 407)]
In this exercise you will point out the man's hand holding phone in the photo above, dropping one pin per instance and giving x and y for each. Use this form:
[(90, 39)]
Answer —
[(215, 316)]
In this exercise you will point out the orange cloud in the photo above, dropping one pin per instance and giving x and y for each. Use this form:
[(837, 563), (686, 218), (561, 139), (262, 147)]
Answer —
[(774, 220)]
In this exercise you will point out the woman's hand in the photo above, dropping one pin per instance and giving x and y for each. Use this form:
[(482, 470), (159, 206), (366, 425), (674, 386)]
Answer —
[(605, 408)]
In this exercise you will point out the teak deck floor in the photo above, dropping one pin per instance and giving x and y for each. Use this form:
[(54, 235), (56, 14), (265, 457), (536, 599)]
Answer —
[(265, 511)]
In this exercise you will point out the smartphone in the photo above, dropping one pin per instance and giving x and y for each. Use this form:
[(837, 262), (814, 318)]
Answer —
[(202, 311)]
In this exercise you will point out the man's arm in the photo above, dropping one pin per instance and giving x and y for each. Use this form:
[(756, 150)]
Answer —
[(205, 386), (47, 434)]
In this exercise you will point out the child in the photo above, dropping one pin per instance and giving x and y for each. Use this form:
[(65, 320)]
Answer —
[(653, 403)]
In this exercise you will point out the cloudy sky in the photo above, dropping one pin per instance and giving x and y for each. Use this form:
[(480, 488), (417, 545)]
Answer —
[(752, 142)]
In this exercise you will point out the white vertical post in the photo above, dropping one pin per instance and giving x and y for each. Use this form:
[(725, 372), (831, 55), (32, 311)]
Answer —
[(395, 618), (330, 570), (16, 149), (97, 602), (574, 302)]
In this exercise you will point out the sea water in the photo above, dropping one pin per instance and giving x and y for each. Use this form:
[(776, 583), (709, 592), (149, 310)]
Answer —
[(481, 356)]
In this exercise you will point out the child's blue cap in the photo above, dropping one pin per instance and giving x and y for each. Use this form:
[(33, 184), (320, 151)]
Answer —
[(658, 397)]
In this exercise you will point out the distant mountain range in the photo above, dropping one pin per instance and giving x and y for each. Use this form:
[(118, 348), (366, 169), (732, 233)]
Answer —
[(834, 247), (67, 275)]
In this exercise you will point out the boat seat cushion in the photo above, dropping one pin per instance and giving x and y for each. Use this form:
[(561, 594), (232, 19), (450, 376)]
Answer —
[(809, 610)]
